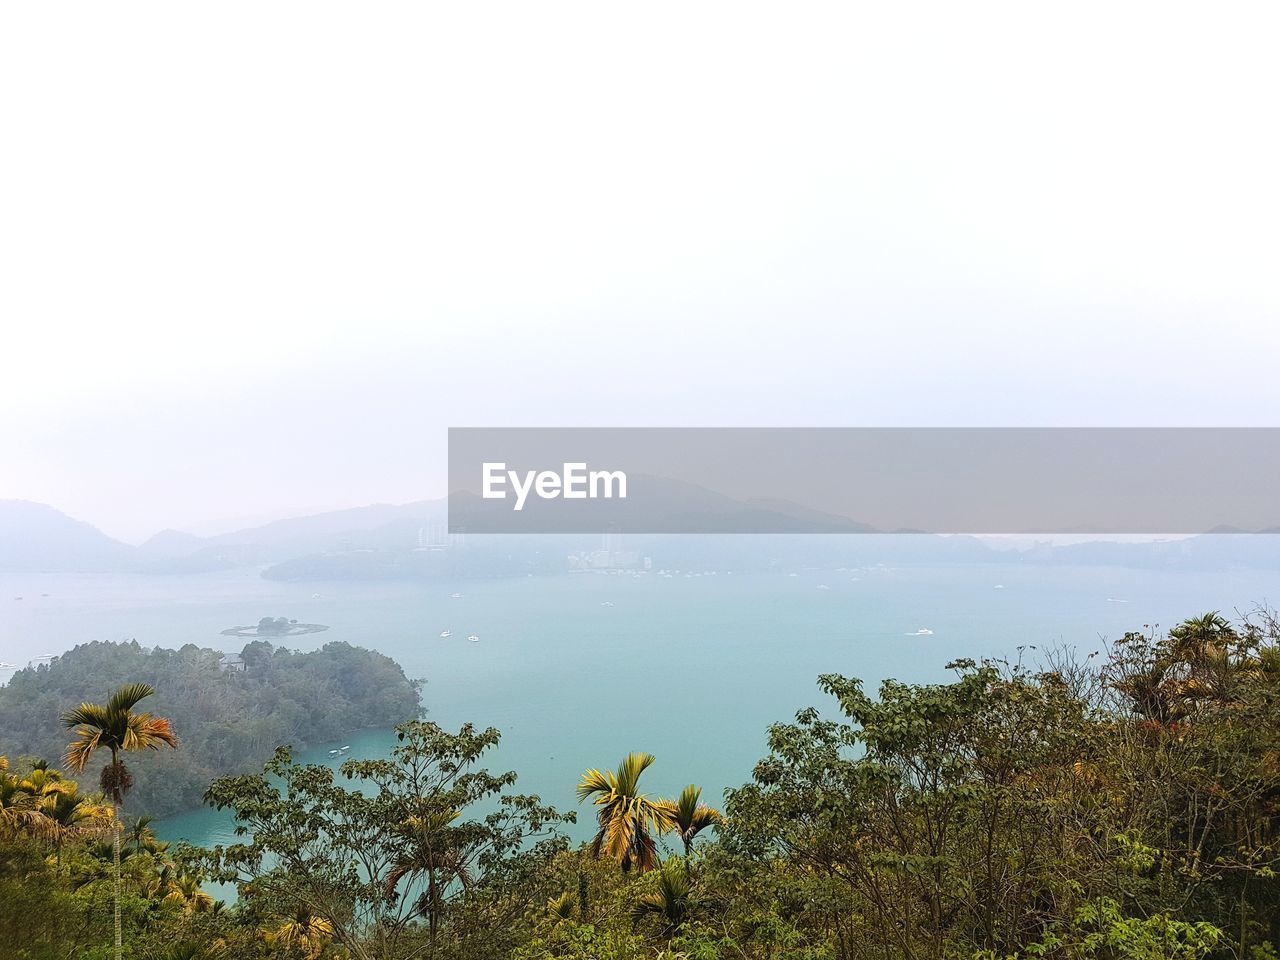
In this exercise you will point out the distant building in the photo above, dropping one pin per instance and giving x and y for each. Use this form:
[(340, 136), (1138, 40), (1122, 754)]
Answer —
[(232, 663)]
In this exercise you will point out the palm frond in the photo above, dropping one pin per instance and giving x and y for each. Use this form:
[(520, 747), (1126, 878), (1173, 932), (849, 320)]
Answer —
[(145, 732), (128, 696), (87, 715), (628, 776), (82, 748), (593, 782)]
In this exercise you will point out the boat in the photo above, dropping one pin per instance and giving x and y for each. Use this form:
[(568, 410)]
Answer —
[(344, 748), (445, 634), (455, 596), (334, 753), (473, 638), (607, 603), (922, 632)]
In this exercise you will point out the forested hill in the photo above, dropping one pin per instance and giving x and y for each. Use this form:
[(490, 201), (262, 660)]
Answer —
[(227, 721)]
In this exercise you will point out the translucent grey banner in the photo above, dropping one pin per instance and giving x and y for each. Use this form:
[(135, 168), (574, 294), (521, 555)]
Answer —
[(864, 480)]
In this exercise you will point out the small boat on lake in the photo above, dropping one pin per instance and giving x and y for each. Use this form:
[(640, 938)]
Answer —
[(473, 638), (446, 634)]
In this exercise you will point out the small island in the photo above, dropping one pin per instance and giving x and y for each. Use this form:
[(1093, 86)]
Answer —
[(275, 627)]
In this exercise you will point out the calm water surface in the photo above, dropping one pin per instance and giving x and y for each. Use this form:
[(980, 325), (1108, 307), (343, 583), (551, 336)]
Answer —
[(578, 670)]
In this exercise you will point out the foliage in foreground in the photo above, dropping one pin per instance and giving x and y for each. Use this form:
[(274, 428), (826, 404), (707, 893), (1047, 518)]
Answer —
[(1120, 807)]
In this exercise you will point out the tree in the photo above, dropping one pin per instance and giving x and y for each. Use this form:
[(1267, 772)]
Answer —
[(629, 821), (143, 837), (672, 903), (404, 842), (948, 818), (688, 816), (117, 728), (303, 931), (19, 810), (71, 816)]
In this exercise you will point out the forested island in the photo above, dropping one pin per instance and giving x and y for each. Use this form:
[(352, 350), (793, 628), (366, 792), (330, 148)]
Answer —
[(228, 720), (276, 628), (1123, 805)]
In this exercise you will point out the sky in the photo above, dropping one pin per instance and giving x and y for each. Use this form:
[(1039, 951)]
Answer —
[(255, 259)]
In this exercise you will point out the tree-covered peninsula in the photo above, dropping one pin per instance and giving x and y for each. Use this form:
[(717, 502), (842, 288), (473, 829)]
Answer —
[(230, 712)]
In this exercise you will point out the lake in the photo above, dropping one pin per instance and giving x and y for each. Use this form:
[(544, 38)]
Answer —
[(578, 670)]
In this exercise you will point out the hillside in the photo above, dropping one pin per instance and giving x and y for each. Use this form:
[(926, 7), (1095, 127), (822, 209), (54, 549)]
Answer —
[(34, 536), (227, 721)]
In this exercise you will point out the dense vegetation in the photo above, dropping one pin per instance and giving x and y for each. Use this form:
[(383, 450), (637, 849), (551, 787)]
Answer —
[(228, 720), (1118, 807)]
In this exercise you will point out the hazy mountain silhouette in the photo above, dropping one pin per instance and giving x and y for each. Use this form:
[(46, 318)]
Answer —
[(34, 536), (396, 540)]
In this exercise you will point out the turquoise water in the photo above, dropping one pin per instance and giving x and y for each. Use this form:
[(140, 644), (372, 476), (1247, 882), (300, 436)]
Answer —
[(578, 670)]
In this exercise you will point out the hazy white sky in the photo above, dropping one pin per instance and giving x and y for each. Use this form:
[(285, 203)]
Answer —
[(255, 258)]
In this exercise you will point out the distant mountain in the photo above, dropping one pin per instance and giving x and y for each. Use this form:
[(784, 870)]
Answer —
[(323, 531), (389, 541), (34, 536), (171, 543), (379, 525)]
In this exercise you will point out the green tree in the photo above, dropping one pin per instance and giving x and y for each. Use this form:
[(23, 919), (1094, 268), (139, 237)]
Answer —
[(407, 840), (629, 820), (117, 728)]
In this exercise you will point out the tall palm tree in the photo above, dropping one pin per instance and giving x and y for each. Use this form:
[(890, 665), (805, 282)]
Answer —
[(688, 816), (629, 820), (116, 728)]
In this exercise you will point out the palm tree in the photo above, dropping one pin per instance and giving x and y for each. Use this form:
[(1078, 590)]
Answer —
[(42, 782), (1201, 639), (19, 809), (116, 728), (305, 931), (561, 907), (71, 816), (672, 903), (629, 820), (184, 891), (438, 854), (143, 837), (689, 816)]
